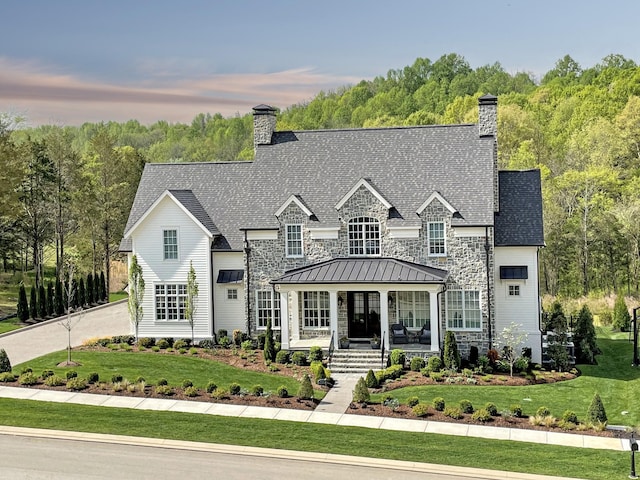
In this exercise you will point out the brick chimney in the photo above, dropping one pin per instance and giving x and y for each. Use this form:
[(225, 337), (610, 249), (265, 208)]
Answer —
[(488, 127), (264, 124)]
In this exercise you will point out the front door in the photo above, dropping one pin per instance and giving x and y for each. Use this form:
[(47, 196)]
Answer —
[(364, 314)]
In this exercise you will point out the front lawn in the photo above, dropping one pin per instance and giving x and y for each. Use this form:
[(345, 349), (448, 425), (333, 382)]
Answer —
[(10, 324), (613, 378)]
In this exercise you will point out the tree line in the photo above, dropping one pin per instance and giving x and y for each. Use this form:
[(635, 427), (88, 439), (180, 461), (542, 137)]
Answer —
[(72, 187)]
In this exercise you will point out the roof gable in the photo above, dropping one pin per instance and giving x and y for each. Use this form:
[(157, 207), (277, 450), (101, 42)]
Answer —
[(366, 183), (297, 199), (440, 198)]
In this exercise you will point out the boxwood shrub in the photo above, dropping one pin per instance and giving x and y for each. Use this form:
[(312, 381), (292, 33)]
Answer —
[(299, 358), (282, 357)]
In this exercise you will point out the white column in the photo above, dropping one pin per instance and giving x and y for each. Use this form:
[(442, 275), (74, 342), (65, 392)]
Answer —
[(435, 324), (333, 316), (384, 315), (295, 317), (284, 320)]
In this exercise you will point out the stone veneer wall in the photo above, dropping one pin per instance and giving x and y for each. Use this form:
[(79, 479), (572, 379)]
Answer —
[(465, 260)]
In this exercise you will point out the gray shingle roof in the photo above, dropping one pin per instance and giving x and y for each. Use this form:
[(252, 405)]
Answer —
[(519, 222), (408, 164), (191, 203), (363, 270)]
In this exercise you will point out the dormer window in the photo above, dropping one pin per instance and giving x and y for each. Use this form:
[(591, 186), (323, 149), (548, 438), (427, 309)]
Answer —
[(364, 237), (437, 246), (294, 241)]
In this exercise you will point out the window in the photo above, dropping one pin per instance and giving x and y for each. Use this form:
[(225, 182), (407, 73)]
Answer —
[(364, 237), (170, 239), (294, 240), (437, 247), (267, 307), (514, 273), (315, 310), (171, 301), (463, 310), (232, 293), (514, 290), (413, 309)]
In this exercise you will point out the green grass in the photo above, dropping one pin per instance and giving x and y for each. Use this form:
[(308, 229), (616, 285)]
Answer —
[(441, 449), (9, 325), (613, 378), (153, 366), (114, 297)]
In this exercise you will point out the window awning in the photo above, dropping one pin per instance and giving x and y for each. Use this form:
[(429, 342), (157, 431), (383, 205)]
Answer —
[(364, 270), (514, 273), (230, 276)]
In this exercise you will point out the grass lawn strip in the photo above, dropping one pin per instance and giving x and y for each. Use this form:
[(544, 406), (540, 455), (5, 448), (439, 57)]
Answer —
[(418, 447)]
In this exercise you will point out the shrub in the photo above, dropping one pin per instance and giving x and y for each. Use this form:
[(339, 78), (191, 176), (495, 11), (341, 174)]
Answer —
[(7, 377), (516, 410), (491, 408), (282, 391), (247, 345), (493, 356), (162, 381), (299, 358), (71, 374), (317, 369), (140, 379), (434, 364), (436, 376), (621, 317), (570, 417), (453, 412), (482, 415), (282, 357), (93, 377), (46, 374), (521, 364), (191, 391), (155, 348), (371, 380), (76, 384), (164, 389), (163, 344), (466, 406), (178, 344), (207, 343), (5, 364), (224, 342), (543, 412), (315, 354), (222, 332), (237, 337), (257, 390), (596, 412), (260, 340), (54, 381), (306, 389), (26, 370), (361, 392), (451, 354), (420, 410), (483, 364), (416, 364), (473, 355), (438, 404), (193, 351), (146, 342), (211, 387), (187, 383), (234, 389), (397, 357), (115, 378), (584, 335), (413, 401)]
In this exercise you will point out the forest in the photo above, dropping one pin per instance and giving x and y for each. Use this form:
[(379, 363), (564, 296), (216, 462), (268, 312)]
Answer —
[(68, 190)]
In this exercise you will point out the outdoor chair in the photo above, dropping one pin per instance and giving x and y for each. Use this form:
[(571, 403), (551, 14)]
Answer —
[(424, 336), (399, 333)]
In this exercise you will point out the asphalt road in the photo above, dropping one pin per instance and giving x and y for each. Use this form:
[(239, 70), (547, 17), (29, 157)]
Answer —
[(36, 458)]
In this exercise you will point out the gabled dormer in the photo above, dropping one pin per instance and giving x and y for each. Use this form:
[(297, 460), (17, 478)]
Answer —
[(297, 200), (367, 184)]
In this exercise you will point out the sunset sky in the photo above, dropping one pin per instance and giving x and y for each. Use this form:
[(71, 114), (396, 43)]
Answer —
[(68, 62)]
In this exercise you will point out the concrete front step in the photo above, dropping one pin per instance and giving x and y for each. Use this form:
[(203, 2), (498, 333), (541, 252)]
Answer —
[(356, 361)]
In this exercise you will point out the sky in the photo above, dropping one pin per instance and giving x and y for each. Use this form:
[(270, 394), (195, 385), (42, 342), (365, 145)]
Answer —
[(67, 62)]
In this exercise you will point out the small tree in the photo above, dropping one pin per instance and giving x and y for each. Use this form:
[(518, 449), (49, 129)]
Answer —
[(71, 296), (192, 297), (269, 351), (306, 389), (596, 412), (5, 364), (511, 339), (451, 354), (103, 288), (89, 292), (42, 302), (33, 304), (555, 319), (136, 293), (50, 299), (361, 392), (59, 299), (584, 337), (82, 294), (23, 305), (557, 348), (621, 317), (371, 381)]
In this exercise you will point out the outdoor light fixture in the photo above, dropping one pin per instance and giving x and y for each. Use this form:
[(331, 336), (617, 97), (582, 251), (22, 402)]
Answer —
[(340, 300)]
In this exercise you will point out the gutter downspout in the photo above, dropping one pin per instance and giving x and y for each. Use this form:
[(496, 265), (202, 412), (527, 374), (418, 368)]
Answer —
[(213, 290), (487, 248), (247, 256), (441, 335)]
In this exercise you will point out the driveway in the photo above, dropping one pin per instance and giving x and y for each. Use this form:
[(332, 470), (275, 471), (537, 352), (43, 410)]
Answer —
[(31, 342)]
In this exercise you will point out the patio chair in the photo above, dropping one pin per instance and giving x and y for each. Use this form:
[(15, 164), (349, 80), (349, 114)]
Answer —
[(399, 333), (424, 336)]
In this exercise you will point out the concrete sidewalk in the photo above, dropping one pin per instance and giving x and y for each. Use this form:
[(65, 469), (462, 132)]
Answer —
[(339, 397)]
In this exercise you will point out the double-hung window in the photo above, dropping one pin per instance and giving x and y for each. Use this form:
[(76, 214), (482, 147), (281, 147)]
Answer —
[(316, 310), (413, 309), (294, 240), (267, 307), (437, 245), (171, 301), (364, 237), (170, 243), (463, 310)]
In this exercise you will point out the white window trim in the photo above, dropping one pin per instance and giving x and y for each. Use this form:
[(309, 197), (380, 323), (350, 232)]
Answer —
[(464, 328), (508, 290), (230, 298), (273, 296), (166, 308), (413, 308), (444, 235), (304, 318), (361, 223), (286, 240), (177, 230)]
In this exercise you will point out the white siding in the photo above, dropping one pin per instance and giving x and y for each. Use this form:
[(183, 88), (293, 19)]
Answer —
[(229, 314), (525, 308), (193, 246)]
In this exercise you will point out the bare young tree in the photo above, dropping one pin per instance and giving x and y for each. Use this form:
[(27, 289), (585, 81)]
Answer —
[(511, 339), (192, 297), (136, 293), (68, 322)]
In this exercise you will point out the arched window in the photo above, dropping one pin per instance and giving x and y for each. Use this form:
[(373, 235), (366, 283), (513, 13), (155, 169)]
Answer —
[(364, 237)]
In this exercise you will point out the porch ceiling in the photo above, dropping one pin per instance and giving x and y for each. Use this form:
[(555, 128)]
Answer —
[(363, 270)]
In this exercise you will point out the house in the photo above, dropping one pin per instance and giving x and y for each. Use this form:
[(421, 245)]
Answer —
[(345, 233)]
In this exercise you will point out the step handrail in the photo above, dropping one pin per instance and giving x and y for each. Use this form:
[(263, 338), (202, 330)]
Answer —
[(382, 365)]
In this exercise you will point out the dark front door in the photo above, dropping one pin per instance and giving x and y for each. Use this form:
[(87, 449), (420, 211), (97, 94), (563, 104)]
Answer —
[(364, 314)]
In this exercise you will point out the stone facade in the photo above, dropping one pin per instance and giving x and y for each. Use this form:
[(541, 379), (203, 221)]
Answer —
[(465, 259)]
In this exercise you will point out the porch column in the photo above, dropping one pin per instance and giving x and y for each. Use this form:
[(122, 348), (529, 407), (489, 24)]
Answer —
[(295, 317), (284, 320), (333, 316), (384, 315), (435, 324)]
